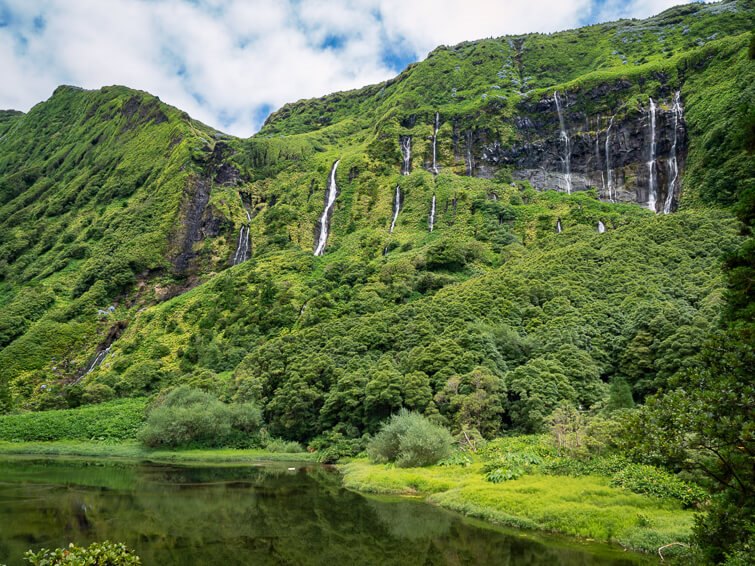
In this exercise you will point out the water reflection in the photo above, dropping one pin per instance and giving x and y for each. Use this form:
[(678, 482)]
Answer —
[(244, 515)]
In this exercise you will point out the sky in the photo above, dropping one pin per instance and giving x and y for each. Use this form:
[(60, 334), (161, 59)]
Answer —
[(229, 63)]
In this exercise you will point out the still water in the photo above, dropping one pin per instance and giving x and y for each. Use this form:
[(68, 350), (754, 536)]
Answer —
[(263, 514)]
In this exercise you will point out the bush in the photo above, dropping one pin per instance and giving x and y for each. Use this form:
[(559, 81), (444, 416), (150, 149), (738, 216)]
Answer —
[(283, 446), (104, 553), (410, 440), (650, 480), (191, 417)]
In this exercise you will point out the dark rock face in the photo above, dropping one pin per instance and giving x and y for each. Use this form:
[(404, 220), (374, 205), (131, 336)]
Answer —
[(610, 153), (201, 221)]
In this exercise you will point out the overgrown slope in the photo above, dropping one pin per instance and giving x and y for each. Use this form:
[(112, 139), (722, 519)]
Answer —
[(446, 276)]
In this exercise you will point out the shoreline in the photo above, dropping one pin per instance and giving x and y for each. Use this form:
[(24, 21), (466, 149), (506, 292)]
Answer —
[(584, 508)]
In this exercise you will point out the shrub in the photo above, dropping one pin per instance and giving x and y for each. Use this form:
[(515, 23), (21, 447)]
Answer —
[(410, 440), (191, 417), (650, 480), (104, 553), (283, 446)]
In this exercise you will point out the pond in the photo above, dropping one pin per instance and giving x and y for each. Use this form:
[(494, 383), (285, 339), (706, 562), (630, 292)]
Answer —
[(265, 514)]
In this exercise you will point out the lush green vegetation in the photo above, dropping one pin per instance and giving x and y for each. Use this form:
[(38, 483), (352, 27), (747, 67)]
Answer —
[(410, 440), (113, 421), (119, 217), (103, 553), (191, 417)]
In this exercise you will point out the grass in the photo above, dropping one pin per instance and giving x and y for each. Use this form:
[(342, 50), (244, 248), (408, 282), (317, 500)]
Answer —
[(584, 507), (134, 451)]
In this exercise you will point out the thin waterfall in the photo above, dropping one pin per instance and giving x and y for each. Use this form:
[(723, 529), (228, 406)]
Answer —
[(597, 158), (601, 227), (609, 172), (98, 359), (431, 221), (470, 162), (558, 226), (566, 159), (673, 163), (652, 180), (435, 142), (330, 200), (244, 245), (242, 248), (396, 208), (406, 154)]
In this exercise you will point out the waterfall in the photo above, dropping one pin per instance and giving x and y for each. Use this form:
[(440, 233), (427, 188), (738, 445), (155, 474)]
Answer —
[(97, 360), (601, 227), (470, 162), (652, 181), (243, 245), (566, 159), (406, 153), (435, 141), (597, 158), (609, 173), (242, 248), (330, 200), (673, 164), (558, 226), (431, 221), (396, 208)]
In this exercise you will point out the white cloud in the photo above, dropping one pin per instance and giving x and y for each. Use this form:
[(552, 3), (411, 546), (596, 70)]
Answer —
[(223, 61)]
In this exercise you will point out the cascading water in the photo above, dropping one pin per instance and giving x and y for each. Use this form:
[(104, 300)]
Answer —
[(609, 172), (673, 164), (242, 248), (406, 154), (435, 142), (243, 245), (98, 359), (652, 179), (431, 220), (601, 227), (558, 226), (396, 208), (597, 158), (566, 159), (330, 200), (470, 162)]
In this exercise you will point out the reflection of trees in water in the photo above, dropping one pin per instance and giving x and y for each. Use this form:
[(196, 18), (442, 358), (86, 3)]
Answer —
[(242, 515), (411, 520)]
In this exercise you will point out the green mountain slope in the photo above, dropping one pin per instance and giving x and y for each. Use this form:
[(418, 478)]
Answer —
[(203, 243)]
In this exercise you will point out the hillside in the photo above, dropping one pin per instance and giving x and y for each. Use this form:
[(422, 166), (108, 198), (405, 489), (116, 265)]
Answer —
[(513, 214)]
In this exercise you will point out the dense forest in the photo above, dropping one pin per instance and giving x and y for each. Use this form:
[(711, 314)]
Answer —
[(510, 227)]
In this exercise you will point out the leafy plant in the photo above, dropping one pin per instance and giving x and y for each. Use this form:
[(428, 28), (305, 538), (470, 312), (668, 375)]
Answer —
[(103, 553), (410, 440)]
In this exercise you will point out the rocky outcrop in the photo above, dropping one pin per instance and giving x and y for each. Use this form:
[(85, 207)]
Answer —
[(200, 221), (606, 151)]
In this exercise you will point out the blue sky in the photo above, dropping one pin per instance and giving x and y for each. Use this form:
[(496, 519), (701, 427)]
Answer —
[(230, 62)]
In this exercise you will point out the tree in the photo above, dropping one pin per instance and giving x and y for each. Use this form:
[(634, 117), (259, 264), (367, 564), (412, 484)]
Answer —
[(535, 390), (473, 400)]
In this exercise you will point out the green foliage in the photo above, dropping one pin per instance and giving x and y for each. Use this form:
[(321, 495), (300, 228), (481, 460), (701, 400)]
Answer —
[(191, 417), (650, 480), (410, 440), (103, 553), (113, 421), (283, 446)]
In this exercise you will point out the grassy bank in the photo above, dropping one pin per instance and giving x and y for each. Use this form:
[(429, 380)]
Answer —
[(134, 451), (586, 507)]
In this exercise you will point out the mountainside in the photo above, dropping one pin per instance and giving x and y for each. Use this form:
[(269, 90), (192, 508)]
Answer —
[(520, 218)]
